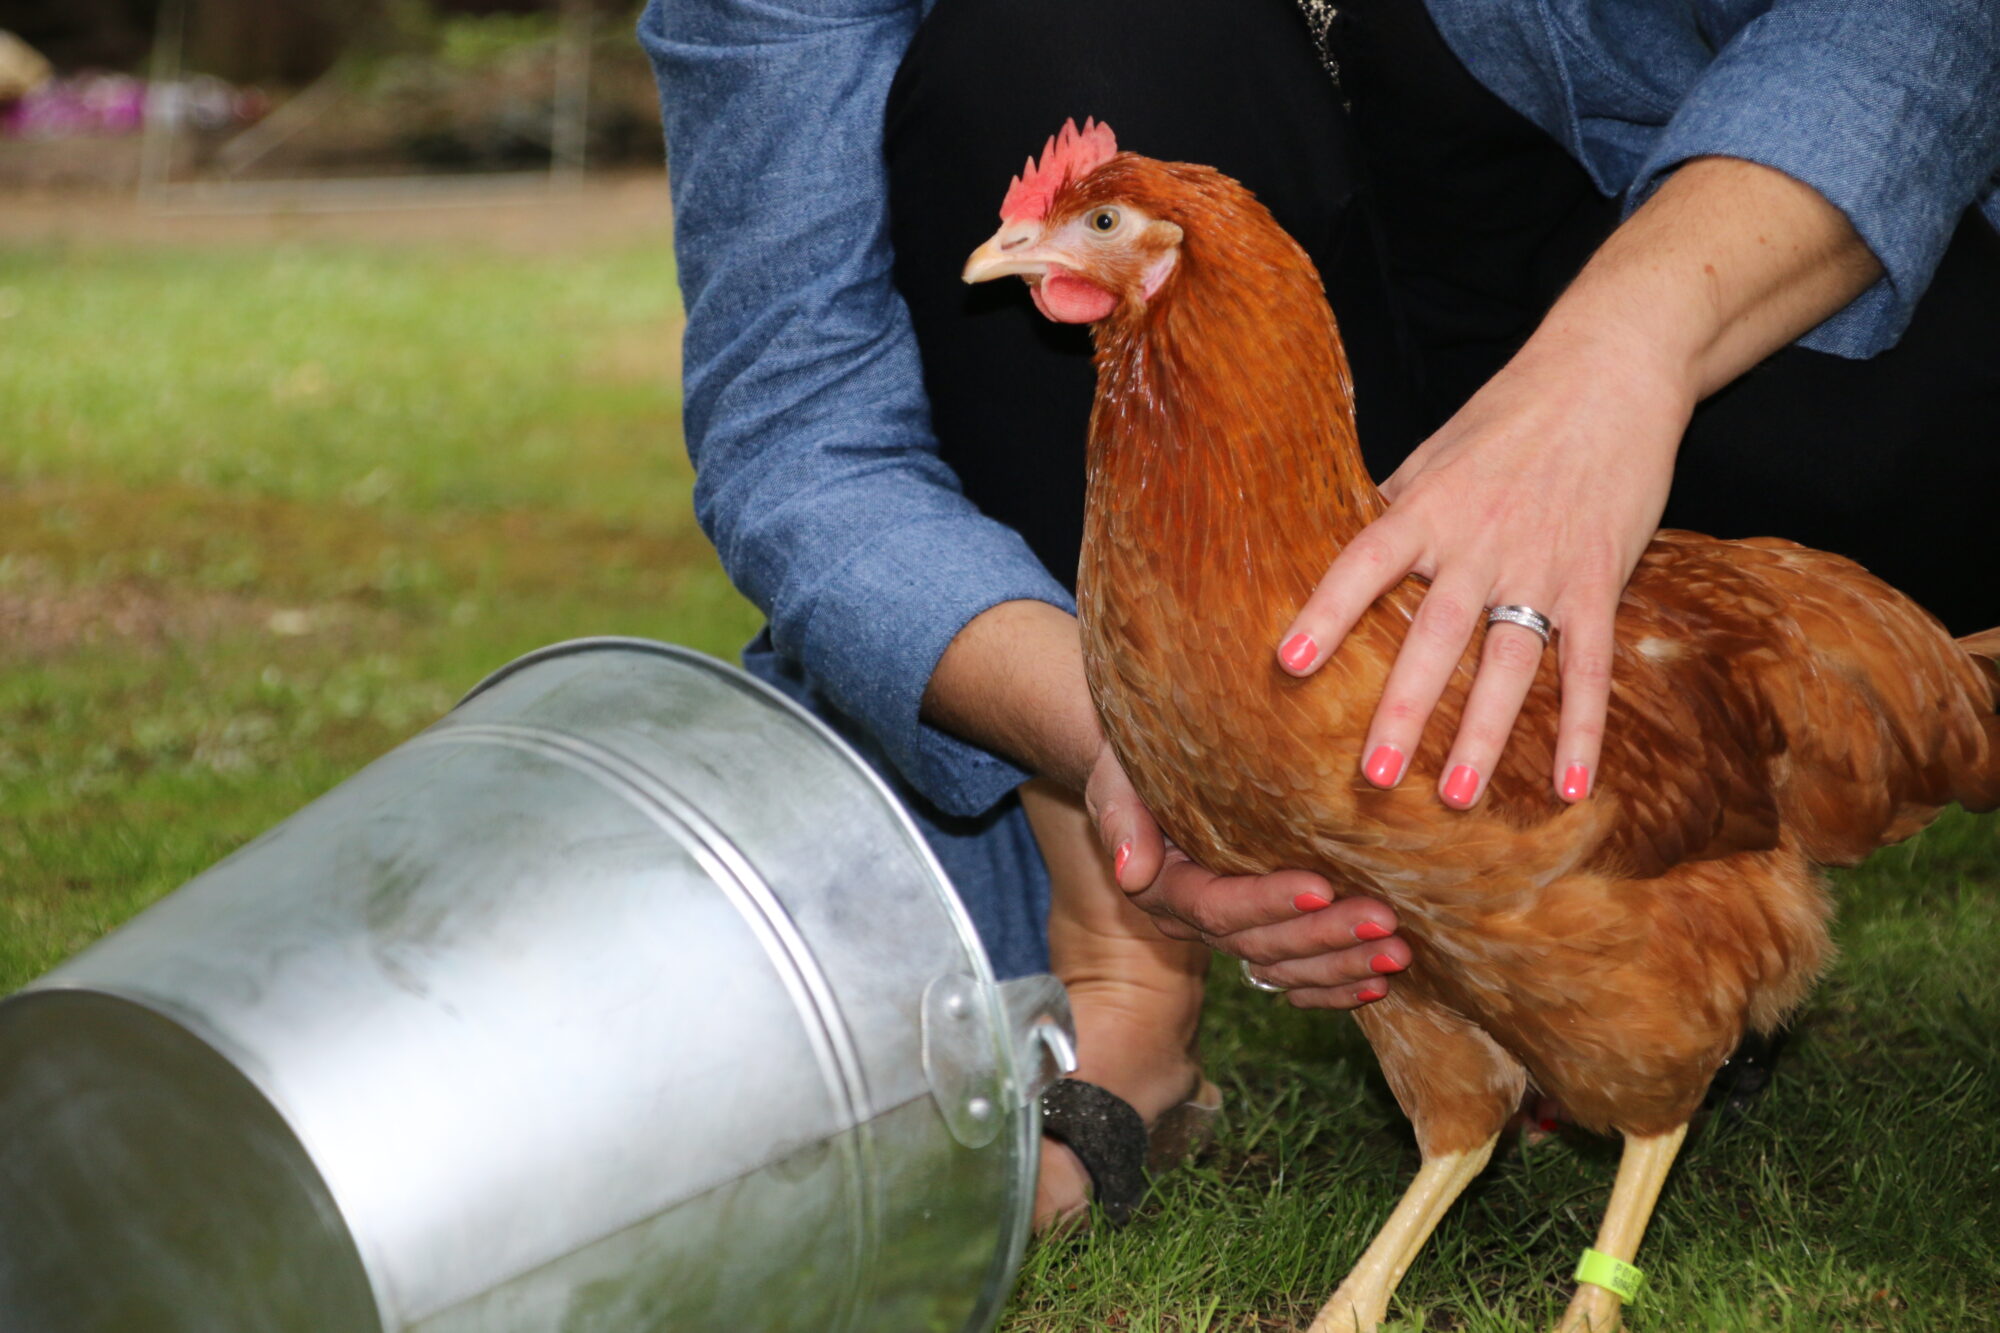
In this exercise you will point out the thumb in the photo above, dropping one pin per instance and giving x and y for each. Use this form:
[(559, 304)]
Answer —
[(1125, 827)]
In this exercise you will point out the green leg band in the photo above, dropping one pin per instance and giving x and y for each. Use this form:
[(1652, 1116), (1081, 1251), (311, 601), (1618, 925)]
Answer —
[(1614, 1275)]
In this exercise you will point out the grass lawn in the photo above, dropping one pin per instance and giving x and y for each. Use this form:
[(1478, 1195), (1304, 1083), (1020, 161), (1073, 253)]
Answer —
[(267, 508)]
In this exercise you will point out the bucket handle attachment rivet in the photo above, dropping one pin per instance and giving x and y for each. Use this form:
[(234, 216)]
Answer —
[(962, 1060)]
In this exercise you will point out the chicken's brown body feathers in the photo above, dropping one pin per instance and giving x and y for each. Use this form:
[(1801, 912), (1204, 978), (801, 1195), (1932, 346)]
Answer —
[(1773, 708)]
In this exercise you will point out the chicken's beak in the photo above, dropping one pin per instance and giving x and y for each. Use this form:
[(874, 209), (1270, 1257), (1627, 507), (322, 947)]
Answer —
[(1012, 250)]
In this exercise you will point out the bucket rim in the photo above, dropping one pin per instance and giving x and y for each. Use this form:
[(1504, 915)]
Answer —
[(743, 681), (1012, 1248)]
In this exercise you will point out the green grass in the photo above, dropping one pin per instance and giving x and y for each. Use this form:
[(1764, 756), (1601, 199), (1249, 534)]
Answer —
[(368, 376), (266, 512), (1861, 1192)]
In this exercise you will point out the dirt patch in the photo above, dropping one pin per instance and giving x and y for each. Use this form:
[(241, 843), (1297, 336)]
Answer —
[(608, 211), (44, 616), (91, 564)]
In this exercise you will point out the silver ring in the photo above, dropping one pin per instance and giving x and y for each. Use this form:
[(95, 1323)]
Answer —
[(1255, 982), (1524, 616)]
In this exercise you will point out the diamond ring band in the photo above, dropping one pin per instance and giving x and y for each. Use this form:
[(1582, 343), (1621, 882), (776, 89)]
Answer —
[(1525, 616)]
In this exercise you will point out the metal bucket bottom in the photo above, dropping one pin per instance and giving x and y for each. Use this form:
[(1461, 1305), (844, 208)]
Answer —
[(134, 1142), (563, 1017), (137, 1144)]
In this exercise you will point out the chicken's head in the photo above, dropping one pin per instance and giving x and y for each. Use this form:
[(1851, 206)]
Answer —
[(1072, 227)]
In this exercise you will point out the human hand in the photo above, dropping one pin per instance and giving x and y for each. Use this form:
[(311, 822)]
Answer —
[(1325, 953), (1543, 491), (1546, 487)]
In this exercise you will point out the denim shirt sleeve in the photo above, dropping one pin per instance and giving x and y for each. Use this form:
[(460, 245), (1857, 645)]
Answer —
[(1889, 110), (817, 476)]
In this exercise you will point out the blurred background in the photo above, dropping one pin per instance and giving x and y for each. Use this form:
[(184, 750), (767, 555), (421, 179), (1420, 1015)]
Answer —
[(339, 356), (338, 366), (116, 94)]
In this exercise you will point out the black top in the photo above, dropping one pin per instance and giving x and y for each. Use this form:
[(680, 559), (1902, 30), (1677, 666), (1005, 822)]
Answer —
[(1485, 218), (1232, 83), (1444, 225)]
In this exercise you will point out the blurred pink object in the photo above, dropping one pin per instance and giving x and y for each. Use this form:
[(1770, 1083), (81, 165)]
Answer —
[(97, 105)]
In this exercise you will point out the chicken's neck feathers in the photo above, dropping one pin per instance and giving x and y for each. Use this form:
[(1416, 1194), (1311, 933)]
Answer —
[(1223, 434)]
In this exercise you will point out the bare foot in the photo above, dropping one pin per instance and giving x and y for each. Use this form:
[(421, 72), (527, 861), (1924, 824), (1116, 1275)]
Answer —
[(1136, 995), (1135, 1037), (1135, 1040)]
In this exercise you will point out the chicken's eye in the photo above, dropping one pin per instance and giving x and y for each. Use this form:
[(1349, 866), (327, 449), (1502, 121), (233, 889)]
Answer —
[(1104, 220)]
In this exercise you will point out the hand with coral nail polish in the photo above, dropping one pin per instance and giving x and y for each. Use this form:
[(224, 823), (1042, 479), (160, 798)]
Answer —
[(1542, 491), (1013, 681), (1334, 951), (1335, 979), (1545, 488)]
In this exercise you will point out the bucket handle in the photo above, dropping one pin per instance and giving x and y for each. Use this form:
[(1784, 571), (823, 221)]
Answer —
[(963, 1056), (1038, 1015)]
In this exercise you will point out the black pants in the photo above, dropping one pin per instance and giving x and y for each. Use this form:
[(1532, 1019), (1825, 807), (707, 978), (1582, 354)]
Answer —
[(1443, 225)]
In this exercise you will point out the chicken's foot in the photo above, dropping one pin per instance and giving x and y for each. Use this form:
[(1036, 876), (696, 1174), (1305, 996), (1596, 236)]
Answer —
[(1363, 1299), (1641, 1172)]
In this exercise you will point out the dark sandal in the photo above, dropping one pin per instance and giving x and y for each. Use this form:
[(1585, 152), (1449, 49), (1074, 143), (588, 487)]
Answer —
[(1112, 1142)]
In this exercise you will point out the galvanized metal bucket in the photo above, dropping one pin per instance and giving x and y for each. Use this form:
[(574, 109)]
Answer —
[(623, 999)]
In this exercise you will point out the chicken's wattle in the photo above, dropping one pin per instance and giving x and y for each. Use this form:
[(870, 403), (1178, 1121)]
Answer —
[(1068, 299)]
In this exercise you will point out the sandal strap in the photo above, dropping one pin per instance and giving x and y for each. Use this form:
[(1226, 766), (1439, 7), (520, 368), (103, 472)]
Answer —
[(1107, 1136)]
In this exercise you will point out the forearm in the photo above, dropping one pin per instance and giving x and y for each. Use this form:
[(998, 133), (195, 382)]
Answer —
[(818, 477), (1545, 487), (1727, 263), (1012, 681)]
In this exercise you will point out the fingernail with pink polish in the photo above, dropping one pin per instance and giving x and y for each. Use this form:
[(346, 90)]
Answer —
[(1461, 786), (1382, 962), (1370, 994), (1119, 858), (1311, 902), (1298, 652), (1576, 782), (1384, 766), (1372, 931)]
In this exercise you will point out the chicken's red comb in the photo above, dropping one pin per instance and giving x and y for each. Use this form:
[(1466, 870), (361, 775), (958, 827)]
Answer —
[(1070, 155)]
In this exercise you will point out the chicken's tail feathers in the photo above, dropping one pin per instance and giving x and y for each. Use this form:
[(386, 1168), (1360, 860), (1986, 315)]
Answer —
[(1984, 648)]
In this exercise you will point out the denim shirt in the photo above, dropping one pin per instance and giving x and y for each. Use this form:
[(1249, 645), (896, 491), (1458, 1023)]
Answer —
[(818, 476), (1889, 108)]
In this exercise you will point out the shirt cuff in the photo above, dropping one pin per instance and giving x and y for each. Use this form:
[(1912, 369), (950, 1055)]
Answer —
[(881, 622), (1862, 134)]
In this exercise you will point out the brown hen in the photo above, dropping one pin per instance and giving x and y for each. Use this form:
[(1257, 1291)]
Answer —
[(1773, 709)]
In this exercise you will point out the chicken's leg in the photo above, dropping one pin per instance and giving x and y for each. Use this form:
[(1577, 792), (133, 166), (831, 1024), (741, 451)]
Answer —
[(1641, 1172), (1363, 1299)]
